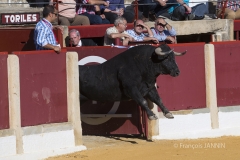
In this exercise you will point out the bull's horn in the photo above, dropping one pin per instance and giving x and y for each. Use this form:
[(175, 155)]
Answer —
[(159, 52), (180, 54)]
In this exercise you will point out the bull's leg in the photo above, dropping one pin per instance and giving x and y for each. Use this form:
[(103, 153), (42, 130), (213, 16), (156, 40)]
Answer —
[(135, 95), (154, 97)]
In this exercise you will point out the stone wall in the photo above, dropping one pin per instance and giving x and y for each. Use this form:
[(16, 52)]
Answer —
[(14, 3)]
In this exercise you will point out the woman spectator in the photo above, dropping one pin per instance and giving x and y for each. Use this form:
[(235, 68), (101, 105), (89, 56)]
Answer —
[(116, 8)]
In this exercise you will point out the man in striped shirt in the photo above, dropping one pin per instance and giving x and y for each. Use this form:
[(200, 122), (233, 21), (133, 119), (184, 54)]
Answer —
[(44, 37)]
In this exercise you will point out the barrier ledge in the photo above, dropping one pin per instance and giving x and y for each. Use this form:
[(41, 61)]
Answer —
[(196, 123), (8, 142), (42, 141), (220, 26)]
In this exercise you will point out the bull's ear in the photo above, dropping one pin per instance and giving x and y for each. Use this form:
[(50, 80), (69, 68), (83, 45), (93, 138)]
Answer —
[(159, 52), (180, 54)]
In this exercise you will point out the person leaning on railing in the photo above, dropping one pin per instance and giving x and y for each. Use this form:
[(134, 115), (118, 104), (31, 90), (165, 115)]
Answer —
[(137, 32), (44, 38), (229, 9), (117, 31), (67, 14), (163, 34)]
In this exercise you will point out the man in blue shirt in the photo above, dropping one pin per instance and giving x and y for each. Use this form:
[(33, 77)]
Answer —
[(44, 37), (163, 34)]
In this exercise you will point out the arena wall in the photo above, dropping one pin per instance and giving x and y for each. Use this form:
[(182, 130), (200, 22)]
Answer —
[(221, 115), (203, 99), (42, 110)]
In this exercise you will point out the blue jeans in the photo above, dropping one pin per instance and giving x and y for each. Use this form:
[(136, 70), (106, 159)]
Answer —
[(155, 7), (95, 19)]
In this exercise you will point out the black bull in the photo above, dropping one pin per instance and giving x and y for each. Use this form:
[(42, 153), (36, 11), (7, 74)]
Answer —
[(130, 75)]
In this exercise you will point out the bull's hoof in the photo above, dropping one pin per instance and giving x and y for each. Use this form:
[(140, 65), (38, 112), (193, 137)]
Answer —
[(153, 117), (169, 115)]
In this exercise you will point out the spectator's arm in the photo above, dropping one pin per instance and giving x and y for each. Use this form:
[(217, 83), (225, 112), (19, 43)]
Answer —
[(150, 33), (162, 2), (55, 48), (155, 40), (98, 2), (172, 32)]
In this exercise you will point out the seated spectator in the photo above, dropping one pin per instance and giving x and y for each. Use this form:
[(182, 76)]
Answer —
[(137, 32), (176, 10), (182, 11), (89, 11), (161, 33), (116, 8), (231, 11), (148, 11), (75, 39), (67, 14), (117, 31)]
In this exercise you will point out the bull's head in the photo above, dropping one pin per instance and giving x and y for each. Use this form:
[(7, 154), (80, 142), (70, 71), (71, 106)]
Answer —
[(168, 64)]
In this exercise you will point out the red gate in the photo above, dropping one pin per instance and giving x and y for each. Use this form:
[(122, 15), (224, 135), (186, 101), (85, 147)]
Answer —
[(43, 86), (4, 105), (109, 118)]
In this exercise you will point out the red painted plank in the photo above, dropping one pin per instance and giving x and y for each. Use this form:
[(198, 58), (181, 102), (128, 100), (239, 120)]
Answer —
[(4, 105), (43, 90), (187, 91), (105, 126), (227, 60)]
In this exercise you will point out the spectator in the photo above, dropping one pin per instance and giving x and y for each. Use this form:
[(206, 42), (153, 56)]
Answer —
[(117, 31), (89, 11), (43, 35), (148, 11), (116, 8), (231, 11), (173, 9), (67, 14), (75, 39), (137, 32), (182, 11), (161, 33)]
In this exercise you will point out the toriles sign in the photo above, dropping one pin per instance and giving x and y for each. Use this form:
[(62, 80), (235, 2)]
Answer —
[(19, 18)]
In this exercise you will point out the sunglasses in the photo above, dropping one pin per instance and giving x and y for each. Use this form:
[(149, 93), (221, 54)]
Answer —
[(139, 26), (56, 14), (160, 24)]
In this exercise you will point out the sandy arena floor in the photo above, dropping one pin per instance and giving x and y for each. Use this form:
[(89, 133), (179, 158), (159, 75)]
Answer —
[(130, 148)]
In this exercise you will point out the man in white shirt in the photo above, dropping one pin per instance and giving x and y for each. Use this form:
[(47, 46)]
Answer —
[(117, 31), (75, 39)]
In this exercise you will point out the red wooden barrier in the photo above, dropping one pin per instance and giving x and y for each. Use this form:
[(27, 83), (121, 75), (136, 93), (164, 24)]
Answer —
[(21, 39), (227, 72), (4, 105), (237, 28), (187, 91), (93, 31), (43, 90), (103, 125)]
